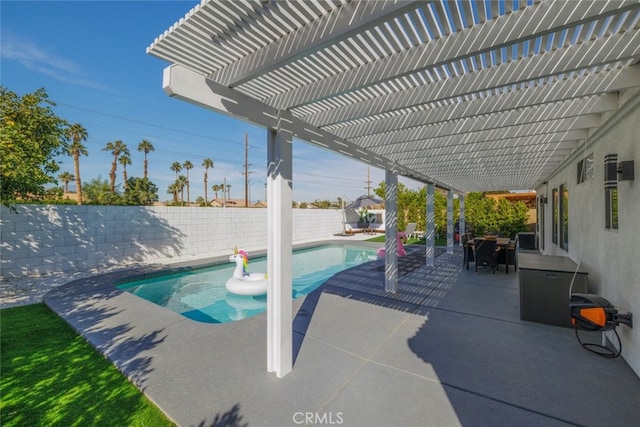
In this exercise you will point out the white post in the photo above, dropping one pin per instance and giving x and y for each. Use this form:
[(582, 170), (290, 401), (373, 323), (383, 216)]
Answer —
[(431, 228), (391, 231), (279, 253), (462, 225), (449, 222)]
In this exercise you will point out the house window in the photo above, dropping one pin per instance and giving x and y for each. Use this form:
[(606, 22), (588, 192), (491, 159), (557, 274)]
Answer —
[(611, 191), (554, 208), (564, 217), (585, 169), (540, 220)]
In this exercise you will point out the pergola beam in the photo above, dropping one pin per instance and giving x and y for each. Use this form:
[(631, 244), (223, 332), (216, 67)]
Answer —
[(473, 84), (562, 61), (182, 83), (450, 132)]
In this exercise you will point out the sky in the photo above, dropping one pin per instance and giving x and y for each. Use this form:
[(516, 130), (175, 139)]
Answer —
[(90, 57)]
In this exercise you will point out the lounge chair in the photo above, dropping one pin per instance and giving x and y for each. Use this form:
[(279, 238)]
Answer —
[(411, 231)]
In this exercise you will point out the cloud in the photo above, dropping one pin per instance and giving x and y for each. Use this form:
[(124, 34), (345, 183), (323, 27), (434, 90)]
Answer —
[(34, 57)]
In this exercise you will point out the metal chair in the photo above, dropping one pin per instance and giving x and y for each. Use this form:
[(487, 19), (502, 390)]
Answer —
[(485, 252)]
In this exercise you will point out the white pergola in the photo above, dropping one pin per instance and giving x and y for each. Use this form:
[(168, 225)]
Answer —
[(465, 95)]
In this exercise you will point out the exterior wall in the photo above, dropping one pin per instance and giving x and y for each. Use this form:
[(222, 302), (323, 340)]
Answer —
[(44, 239), (610, 256)]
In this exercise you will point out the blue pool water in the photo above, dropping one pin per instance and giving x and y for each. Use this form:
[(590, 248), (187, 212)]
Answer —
[(200, 294)]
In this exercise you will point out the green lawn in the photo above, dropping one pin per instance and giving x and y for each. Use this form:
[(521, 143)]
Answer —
[(52, 377)]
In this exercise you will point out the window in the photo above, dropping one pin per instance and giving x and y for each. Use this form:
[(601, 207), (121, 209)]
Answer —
[(540, 220), (585, 169), (611, 191), (554, 208), (564, 217)]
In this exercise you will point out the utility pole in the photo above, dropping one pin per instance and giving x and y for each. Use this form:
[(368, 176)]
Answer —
[(368, 181)]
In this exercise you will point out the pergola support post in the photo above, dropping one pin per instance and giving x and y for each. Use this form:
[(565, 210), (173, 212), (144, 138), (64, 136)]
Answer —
[(279, 253), (431, 227), (391, 231), (463, 226), (449, 222)]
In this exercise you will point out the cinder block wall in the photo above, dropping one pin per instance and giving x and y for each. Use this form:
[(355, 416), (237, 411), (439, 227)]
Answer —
[(44, 239)]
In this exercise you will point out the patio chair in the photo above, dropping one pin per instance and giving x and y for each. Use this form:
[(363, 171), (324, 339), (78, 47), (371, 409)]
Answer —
[(411, 232), (485, 252)]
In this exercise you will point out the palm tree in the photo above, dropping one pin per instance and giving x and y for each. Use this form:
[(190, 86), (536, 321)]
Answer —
[(77, 134), (228, 189), (173, 189), (65, 177), (207, 163), (180, 183), (124, 161), (188, 166), (176, 167), (215, 188), (146, 147), (117, 148)]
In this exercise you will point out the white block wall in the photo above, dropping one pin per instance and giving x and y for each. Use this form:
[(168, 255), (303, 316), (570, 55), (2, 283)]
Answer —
[(44, 239)]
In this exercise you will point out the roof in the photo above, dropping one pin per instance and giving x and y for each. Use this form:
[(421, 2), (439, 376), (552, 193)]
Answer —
[(470, 95)]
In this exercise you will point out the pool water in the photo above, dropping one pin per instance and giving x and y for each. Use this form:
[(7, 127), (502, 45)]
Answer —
[(201, 295)]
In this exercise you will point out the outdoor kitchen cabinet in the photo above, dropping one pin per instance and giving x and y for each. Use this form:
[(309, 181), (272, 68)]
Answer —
[(544, 287)]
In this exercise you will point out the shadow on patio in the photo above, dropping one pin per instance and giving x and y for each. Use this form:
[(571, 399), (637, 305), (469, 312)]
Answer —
[(461, 355), (448, 348)]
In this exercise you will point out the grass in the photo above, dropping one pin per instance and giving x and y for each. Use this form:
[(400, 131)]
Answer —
[(52, 376)]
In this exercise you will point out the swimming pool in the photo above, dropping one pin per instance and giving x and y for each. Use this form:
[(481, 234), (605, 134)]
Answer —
[(200, 294)]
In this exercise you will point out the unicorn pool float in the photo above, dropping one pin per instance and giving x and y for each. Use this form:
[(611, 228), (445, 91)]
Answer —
[(401, 251), (242, 282)]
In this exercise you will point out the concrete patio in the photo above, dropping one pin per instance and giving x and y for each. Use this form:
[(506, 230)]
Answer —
[(447, 349)]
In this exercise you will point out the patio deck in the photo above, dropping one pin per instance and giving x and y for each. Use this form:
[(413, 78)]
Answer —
[(447, 349)]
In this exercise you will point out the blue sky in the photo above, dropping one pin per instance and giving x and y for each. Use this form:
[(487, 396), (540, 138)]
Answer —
[(90, 56)]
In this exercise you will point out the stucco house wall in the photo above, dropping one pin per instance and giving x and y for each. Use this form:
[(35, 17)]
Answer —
[(610, 256)]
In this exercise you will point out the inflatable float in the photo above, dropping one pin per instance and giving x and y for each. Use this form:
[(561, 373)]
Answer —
[(401, 251), (243, 282)]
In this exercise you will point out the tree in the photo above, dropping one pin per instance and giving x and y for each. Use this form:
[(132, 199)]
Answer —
[(176, 167), (31, 136), (206, 163), (66, 177), (124, 161), (146, 147), (412, 207), (188, 166), (116, 148), (98, 192), (76, 133), (173, 189), (181, 182), (215, 188), (140, 191)]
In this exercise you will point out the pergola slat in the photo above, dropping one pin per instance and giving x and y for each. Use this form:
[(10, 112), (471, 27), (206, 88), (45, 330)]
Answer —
[(419, 86)]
